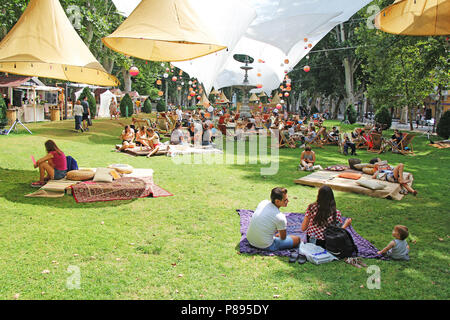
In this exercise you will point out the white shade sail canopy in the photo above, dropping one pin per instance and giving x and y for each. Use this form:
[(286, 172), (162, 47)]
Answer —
[(270, 31)]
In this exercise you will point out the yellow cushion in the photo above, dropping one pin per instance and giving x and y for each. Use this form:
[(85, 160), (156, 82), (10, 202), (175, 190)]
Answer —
[(115, 174)]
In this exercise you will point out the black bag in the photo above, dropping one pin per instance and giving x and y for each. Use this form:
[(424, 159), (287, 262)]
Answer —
[(339, 242), (89, 121)]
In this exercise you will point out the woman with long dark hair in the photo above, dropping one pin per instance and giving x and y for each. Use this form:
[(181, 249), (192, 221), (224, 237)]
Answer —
[(320, 215), (54, 164)]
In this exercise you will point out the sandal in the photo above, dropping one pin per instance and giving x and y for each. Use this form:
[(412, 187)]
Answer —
[(293, 257), (38, 184), (301, 259), (352, 261), (361, 262)]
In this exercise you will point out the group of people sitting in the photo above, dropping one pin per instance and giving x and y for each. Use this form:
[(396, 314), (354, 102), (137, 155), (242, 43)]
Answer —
[(145, 137), (268, 225)]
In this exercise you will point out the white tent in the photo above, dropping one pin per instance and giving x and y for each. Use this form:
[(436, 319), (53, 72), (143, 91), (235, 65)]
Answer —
[(78, 94), (105, 101), (270, 31)]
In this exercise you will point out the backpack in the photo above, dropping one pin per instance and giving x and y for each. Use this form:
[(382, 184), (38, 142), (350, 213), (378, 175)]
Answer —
[(71, 164), (339, 241)]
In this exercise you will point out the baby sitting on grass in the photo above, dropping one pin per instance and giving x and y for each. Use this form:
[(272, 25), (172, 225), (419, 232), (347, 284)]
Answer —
[(398, 248)]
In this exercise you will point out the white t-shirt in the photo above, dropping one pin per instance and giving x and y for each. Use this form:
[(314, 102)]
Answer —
[(78, 110), (265, 222), (180, 114)]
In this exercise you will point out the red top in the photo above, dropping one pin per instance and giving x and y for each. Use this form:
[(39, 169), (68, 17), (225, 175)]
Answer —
[(59, 160), (222, 120), (313, 229)]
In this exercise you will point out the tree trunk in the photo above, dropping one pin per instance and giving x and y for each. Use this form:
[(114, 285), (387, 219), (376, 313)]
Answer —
[(411, 117), (126, 80), (338, 105)]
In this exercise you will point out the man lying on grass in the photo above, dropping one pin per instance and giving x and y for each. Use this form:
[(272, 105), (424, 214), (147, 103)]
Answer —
[(267, 220)]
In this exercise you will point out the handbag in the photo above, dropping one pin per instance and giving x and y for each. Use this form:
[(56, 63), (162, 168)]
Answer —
[(89, 121)]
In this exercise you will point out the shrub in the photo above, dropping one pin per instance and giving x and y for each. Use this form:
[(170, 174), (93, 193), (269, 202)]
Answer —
[(147, 106), (383, 117), (3, 108), (350, 114), (161, 105), (91, 101), (126, 102), (443, 127)]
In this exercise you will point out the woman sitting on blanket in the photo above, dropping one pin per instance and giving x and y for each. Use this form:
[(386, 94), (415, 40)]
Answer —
[(320, 215), (307, 160), (153, 141), (385, 172), (127, 137), (54, 164), (141, 137)]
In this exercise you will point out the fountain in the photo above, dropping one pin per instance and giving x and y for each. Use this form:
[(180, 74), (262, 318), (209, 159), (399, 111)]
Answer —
[(245, 87)]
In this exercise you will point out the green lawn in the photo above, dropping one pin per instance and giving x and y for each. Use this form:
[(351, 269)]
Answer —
[(187, 246)]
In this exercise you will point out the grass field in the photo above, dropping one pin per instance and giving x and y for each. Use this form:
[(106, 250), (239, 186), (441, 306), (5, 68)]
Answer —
[(187, 246)]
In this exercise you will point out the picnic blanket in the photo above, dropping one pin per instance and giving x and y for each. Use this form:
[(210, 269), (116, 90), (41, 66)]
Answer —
[(189, 149), (294, 223), (143, 151), (331, 179), (53, 189), (126, 188), (172, 150), (444, 144)]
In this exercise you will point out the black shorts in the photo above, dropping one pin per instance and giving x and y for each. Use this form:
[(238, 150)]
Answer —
[(85, 116)]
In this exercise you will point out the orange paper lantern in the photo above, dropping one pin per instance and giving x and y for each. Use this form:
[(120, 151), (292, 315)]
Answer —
[(158, 82), (307, 68), (286, 61), (160, 93)]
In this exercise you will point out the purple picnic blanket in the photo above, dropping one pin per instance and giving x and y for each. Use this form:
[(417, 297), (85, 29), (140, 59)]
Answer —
[(294, 223)]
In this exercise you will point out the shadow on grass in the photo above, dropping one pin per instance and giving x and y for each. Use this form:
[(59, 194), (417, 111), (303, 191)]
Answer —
[(15, 184)]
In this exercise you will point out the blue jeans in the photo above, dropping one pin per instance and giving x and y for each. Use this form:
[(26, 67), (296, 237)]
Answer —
[(60, 174), (279, 244), (78, 120)]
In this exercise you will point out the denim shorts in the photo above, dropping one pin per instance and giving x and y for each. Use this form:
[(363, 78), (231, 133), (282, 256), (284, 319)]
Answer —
[(60, 174), (279, 244)]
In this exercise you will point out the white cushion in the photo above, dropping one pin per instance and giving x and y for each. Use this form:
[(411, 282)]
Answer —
[(103, 175), (371, 184)]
